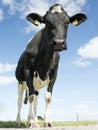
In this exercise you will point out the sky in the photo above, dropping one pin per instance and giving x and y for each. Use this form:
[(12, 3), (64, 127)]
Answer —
[(76, 88)]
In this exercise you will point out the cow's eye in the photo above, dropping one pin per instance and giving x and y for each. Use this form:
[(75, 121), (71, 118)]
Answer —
[(65, 25)]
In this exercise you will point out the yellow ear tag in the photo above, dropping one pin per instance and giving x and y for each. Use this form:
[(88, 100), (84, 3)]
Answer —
[(75, 22), (37, 22)]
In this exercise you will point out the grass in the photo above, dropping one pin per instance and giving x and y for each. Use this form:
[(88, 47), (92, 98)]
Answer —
[(12, 124), (75, 123)]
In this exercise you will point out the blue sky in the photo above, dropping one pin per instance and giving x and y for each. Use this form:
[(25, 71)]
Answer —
[(76, 88)]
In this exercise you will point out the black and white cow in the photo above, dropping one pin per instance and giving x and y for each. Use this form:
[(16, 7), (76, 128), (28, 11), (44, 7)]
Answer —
[(38, 65)]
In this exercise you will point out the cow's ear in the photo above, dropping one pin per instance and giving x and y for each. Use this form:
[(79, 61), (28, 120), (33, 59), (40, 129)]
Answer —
[(78, 19), (34, 18)]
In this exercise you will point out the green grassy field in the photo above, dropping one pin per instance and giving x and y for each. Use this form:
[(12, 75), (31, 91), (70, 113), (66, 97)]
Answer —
[(12, 124)]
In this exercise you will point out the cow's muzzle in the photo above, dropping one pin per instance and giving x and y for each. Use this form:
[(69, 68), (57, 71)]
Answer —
[(59, 44)]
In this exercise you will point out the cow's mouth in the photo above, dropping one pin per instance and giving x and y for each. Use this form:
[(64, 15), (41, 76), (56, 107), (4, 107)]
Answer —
[(60, 46)]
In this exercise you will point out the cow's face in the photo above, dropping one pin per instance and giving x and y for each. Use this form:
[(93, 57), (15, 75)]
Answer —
[(56, 21)]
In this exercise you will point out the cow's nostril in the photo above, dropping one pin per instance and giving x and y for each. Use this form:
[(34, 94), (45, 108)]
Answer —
[(62, 43), (54, 42)]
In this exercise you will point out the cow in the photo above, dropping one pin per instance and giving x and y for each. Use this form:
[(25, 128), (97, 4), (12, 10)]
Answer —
[(38, 65)]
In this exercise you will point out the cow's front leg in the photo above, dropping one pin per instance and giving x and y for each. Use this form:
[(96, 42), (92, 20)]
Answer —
[(48, 98), (36, 122), (32, 120), (29, 81)]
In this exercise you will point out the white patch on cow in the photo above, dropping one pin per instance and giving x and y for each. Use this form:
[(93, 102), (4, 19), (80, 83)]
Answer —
[(38, 82), (48, 99), (25, 86), (57, 9)]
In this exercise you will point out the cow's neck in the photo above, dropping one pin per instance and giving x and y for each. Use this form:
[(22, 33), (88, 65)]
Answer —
[(45, 63), (45, 56), (48, 58)]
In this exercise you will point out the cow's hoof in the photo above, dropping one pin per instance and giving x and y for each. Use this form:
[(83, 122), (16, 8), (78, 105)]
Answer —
[(32, 125), (36, 125), (31, 98), (48, 124), (17, 125), (28, 125), (18, 121)]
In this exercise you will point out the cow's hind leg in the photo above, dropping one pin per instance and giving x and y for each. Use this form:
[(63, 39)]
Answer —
[(20, 97), (26, 97), (48, 98)]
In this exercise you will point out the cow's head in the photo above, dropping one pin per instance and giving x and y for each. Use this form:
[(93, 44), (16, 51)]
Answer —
[(56, 21)]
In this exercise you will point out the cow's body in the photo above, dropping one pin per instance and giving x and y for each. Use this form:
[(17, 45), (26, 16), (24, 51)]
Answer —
[(38, 57), (38, 65)]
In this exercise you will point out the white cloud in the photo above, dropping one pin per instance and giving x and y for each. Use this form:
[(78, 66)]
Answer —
[(72, 6), (6, 80), (1, 15), (11, 4), (81, 62), (90, 50), (7, 2), (87, 52), (25, 6), (81, 2), (7, 67)]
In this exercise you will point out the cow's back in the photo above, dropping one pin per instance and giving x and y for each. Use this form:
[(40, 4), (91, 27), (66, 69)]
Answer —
[(20, 68)]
